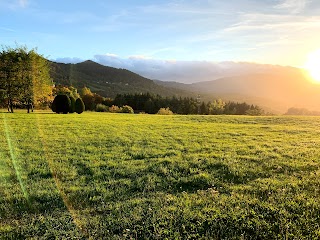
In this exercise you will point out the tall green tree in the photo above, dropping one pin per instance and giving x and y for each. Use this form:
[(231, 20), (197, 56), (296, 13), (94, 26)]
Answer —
[(9, 81), (24, 77)]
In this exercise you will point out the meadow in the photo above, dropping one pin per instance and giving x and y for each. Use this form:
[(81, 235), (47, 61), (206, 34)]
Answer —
[(123, 176)]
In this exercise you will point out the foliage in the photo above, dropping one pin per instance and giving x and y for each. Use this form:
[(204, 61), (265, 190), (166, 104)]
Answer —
[(108, 102), (70, 91), (165, 111), (216, 107), (302, 112), (114, 109), (152, 177), (126, 109), (79, 106), (90, 99), (101, 108), (61, 104), (24, 76), (85, 91)]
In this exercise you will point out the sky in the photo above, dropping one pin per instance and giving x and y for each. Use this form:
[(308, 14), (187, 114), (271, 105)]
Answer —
[(163, 39)]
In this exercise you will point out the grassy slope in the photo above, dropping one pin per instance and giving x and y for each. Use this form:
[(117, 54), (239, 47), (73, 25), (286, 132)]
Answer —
[(146, 176)]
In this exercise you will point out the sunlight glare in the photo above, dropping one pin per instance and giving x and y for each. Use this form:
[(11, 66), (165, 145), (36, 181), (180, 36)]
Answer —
[(313, 65)]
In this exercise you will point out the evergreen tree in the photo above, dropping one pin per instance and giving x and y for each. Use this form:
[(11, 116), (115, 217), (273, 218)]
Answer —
[(61, 104), (79, 106), (72, 104)]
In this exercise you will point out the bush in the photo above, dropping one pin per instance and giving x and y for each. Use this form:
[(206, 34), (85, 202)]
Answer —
[(61, 104), (101, 108), (127, 109), (79, 106), (165, 111), (114, 109), (72, 106)]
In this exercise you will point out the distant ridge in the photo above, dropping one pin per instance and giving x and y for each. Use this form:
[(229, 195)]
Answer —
[(108, 81), (276, 91)]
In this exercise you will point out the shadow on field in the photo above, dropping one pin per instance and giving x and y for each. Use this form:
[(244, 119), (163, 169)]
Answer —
[(34, 174), (84, 170), (185, 176), (36, 204), (225, 174)]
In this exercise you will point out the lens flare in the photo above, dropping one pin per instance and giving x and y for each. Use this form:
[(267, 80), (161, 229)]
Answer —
[(13, 158), (313, 65)]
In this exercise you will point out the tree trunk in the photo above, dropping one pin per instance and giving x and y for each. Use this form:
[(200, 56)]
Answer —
[(29, 107), (10, 106)]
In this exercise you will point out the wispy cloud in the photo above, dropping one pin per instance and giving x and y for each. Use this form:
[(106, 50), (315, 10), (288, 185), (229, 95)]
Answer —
[(23, 3), (15, 4), (181, 71), (68, 60), (7, 29), (293, 6), (262, 29)]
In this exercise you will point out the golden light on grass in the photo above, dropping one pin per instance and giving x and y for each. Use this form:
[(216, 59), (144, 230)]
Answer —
[(313, 65)]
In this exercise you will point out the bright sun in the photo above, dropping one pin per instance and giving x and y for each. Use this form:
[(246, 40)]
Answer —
[(313, 65)]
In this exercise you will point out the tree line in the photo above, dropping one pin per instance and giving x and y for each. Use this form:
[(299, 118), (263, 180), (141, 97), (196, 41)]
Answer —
[(149, 103)]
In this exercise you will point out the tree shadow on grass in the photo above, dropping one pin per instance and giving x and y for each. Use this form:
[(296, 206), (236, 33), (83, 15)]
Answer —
[(181, 177), (36, 204), (225, 174)]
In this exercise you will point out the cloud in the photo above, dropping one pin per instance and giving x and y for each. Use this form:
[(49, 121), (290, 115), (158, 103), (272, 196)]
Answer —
[(181, 71), (293, 6), (7, 29), (14, 5), (68, 60), (263, 30), (23, 3)]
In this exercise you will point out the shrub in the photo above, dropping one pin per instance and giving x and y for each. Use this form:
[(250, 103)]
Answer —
[(114, 109), (165, 111), (101, 108), (61, 104), (127, 109), (79, 106), (72, 106)]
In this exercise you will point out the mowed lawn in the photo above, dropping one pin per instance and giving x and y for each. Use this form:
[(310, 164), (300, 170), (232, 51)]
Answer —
[(120, 176)]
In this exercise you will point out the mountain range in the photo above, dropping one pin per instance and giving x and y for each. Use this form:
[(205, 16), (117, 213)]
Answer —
[(275, 91)]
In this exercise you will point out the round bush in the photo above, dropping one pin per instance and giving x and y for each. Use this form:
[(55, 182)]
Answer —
[(79, 106), (61, 104), (165, 111), (127, 109), (101, 108), (73, 103)]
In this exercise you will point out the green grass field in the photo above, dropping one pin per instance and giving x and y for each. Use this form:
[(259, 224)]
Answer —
[(118, 176)]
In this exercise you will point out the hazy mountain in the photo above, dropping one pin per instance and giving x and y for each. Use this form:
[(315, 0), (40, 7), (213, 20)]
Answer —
[(276, 91), (107, 81)]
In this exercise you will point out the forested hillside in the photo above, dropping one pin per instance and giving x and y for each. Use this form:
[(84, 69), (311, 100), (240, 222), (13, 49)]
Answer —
[(108, 81)]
